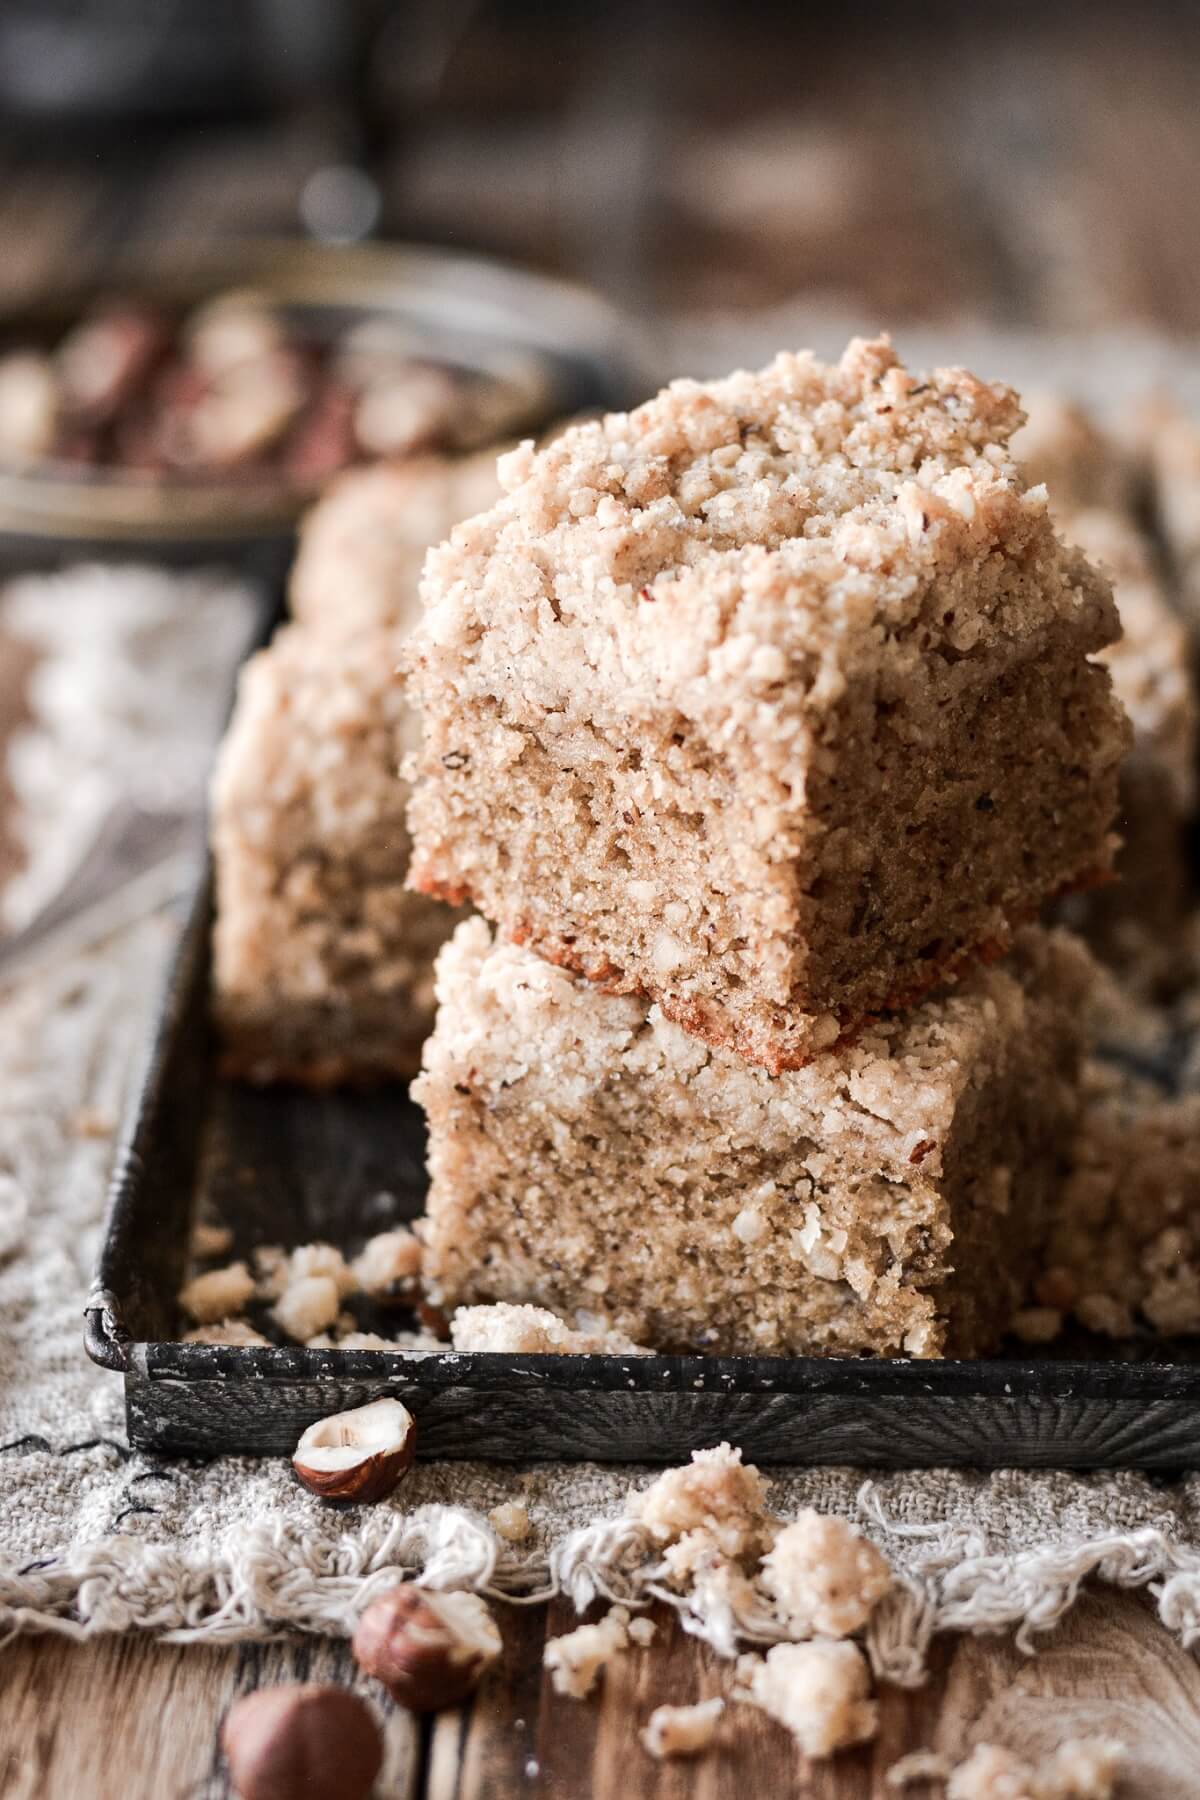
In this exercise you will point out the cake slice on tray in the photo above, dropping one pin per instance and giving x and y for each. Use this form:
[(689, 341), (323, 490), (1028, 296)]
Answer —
[(890, 1198), (773, 700)]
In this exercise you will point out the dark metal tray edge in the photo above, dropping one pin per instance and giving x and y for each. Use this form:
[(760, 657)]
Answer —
[(208, 1399)]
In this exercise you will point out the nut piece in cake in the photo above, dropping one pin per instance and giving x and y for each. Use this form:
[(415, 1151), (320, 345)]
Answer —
[(682, 1730), (824, 1576), (362, 545), (772, 700), (577, 1658), (322, 958), (820, 1690), (889, 1198)]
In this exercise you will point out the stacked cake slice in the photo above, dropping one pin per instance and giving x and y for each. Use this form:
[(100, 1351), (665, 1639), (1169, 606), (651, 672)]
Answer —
[(756, 721)]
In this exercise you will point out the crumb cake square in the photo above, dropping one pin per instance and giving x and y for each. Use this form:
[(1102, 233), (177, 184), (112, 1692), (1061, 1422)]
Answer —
[(1139, 922), (361, 546), (322, 958), (773, 701), (589, 1156)]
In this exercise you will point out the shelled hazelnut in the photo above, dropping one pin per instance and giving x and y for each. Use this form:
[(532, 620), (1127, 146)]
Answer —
[(302, 1743), (429, 1649), (359, 1455)]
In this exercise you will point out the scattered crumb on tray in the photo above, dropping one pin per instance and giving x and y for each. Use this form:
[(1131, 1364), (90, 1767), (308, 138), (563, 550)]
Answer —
[(218, 1294), (682, 1730), (305, 1288), (388, 1264), (1037, 1324), (208, 1241), (227, 1331), (532, 1331)]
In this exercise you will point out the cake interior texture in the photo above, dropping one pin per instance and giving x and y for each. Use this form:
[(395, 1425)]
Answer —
[(772, 701), (590, 1156)]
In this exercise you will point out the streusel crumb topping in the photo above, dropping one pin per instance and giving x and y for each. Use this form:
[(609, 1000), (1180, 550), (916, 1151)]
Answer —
[(766, 526)]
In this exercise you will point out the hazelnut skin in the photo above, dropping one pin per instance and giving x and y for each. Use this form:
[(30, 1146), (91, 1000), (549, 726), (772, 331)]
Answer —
[(302, 1743), (430, 1650), (357, 1457)]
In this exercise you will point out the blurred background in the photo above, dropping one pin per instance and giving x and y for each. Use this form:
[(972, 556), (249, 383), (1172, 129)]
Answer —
[(1034, 164), (1014, 188)]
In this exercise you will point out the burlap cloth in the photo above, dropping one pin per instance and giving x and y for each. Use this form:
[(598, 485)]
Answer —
[(95, 1537)]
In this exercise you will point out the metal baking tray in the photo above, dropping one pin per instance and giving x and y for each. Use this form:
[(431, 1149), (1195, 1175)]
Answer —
[(286, 1166)]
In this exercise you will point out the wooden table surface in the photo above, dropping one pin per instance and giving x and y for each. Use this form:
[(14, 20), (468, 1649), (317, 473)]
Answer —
[(1040, 170)]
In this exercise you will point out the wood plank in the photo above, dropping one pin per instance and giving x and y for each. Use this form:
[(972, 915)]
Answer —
[(1110, 1669), (128, 1719)]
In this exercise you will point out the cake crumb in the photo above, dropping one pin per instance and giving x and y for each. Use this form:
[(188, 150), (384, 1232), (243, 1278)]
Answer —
[(824, 1576), (1037, 1324), (1105, 1314), (716, 1496), (218, 1294), (1080, 1769), (388, 1264), (502, 1328), (510, 1520), (226, 1331), (309, 1260), (307, 1307), (208, 1240), (682, 1730), (576, 1659), (642, 1631), (363, 1340), (270, 1270), (918, 1765), (820, 1690)]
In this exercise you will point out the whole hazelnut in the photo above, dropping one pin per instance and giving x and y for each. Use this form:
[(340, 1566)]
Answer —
[(430, 1650), (358, 1455), (302, 1743)]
